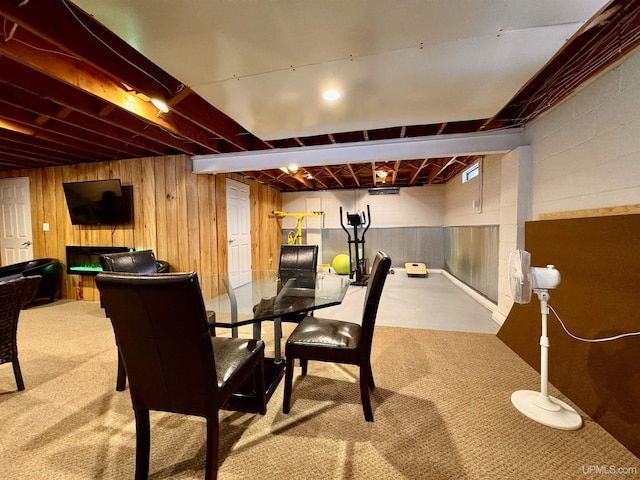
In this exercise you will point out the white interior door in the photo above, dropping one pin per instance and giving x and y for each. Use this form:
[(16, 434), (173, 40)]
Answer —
[(239, 232), (16, 241)]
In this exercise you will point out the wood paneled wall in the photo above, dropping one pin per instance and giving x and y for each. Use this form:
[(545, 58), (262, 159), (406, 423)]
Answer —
[(177, 214)]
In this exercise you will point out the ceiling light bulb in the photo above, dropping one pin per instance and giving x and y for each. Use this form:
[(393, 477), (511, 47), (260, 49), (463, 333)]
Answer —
[(293, 168), (160, 105), (332, 95)]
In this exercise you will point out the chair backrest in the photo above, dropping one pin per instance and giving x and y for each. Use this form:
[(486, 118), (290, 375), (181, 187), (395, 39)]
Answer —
[(379, 272), (298, 257), (141, 261), (295, 260), (161, 328), (12, 298)]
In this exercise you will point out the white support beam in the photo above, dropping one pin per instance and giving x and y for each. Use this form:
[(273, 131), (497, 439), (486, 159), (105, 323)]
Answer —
[(362, 152)]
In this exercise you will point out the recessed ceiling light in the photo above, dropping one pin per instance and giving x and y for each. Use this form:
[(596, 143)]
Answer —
[(332, 95), (160, 105)]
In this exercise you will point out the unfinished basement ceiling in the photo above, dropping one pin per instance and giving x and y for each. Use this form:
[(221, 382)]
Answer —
[(411, 62), (244, 79)]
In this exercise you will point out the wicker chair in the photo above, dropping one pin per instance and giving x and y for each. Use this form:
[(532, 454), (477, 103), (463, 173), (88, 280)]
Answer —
[(14, 294)]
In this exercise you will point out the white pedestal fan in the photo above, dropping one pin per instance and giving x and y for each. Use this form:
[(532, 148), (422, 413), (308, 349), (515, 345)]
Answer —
[(539, 406)]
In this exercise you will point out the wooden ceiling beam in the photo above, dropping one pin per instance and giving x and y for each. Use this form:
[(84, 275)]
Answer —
[(353, 174), (315, 177), (88, 80), (22, 146), (424, 163), (40, 85), (79, 35), (54, 136), (334, 176), (396, 167), (25, 107), (300, 177)]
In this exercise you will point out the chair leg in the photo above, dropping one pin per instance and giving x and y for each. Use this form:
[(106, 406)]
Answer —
[(213, 432), (143, 444), (121, 380), (365, 373), (372, 384), (288, 382), (257, 330), (18, 374), (261, 388), (304, 363)]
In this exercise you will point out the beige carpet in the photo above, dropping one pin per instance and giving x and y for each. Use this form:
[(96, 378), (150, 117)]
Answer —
[(442, 411)]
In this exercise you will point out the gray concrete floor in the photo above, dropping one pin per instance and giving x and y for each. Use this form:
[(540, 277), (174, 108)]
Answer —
[(433, 303)]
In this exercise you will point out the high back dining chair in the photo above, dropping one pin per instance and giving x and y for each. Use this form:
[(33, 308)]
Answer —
[(339, 341), (173, 363), (14, 294), (295, 260), (297, 257), (139, 261)]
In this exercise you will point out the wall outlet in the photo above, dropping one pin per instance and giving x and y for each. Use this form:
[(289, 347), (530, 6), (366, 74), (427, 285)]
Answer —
[(45, 227), (270, 260)]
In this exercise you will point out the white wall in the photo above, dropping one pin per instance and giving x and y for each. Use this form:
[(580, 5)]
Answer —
[(414, 206), (459, 209), (586, 151)]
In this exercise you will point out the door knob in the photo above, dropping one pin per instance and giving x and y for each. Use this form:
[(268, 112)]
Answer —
[(27, 243)]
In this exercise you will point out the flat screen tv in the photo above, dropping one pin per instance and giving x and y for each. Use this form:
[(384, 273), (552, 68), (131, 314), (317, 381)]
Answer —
[(99, 202)]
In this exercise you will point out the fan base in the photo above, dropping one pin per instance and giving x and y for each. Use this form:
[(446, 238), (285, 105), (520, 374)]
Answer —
[(548, 411)]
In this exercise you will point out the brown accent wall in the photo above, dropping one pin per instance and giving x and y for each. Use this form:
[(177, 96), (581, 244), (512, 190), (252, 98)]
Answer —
[(598, 296), (179, 215)]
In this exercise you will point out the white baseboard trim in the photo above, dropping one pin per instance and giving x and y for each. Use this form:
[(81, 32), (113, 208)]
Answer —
[(485, 302), (498, 317)]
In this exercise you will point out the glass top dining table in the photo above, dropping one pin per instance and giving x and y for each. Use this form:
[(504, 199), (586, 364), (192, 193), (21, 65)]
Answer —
[(249, 297)]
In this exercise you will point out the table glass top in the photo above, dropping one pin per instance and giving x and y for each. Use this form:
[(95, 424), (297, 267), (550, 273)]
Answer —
[(266, 294)]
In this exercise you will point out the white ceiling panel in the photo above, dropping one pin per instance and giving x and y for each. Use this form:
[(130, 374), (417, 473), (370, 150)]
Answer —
[(266, 63)]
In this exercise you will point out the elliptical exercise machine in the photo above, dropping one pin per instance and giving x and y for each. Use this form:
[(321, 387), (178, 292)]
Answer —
[(361, 265)]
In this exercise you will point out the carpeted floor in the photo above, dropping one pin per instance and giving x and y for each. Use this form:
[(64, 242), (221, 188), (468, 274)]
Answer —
[(442, 411)]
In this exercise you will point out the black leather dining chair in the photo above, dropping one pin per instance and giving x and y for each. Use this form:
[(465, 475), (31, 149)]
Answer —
[(339, 341), (295, 261), (174, 364), (138, 261), (14, 294)]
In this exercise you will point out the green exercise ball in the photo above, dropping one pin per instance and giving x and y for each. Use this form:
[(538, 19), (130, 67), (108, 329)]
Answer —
[(341, 264)]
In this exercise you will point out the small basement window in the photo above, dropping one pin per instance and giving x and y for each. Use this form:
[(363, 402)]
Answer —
[(471, 172)]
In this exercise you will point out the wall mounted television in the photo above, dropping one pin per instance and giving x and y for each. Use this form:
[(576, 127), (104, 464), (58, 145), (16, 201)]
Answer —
[(99, 202)]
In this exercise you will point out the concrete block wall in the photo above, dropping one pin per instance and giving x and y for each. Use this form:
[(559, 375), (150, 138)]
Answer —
[(586, 151), (459, 197)]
